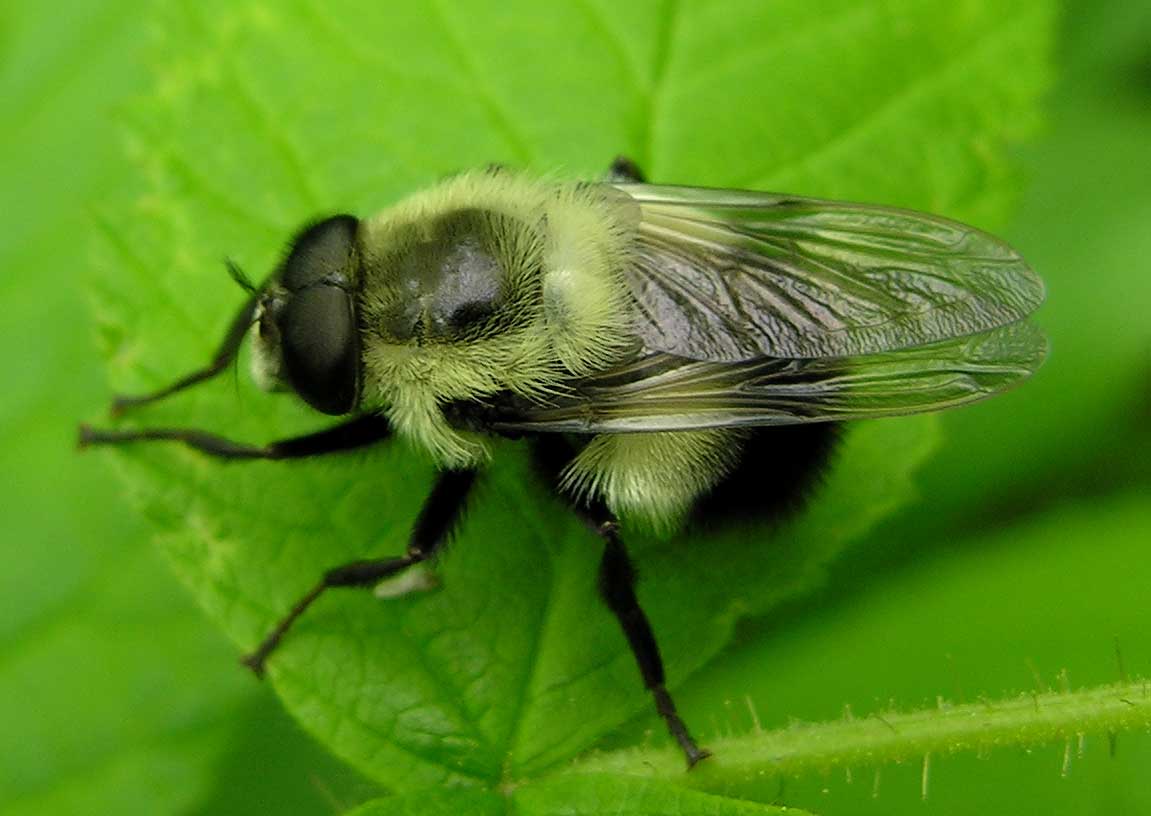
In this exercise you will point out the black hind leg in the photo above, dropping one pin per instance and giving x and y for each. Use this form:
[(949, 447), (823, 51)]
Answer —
[(617, 581)]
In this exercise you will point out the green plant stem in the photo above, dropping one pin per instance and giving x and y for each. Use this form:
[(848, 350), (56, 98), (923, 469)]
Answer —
[(1025, 721)]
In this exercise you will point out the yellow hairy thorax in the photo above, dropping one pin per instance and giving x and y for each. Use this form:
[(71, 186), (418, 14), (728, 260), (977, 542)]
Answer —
[(564, 248)]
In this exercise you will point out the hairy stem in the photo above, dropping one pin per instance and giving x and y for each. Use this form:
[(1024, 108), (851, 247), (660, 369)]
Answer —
[(1024, 721)]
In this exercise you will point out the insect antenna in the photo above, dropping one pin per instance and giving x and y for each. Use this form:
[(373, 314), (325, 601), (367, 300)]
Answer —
[(239, 276), (236, 273)]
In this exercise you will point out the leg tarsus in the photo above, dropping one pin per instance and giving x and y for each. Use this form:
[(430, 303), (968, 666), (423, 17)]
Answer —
[(675, 724), (357, 432), (255, 660), (203, 441), (83, 436), (441, 511), (225, 353), (356, 574)]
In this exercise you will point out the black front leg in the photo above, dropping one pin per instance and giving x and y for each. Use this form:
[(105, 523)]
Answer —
[(225, 353), (437, 518)]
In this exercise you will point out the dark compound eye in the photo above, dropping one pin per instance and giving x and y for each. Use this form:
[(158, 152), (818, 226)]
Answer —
[(320, 348), (320, 253)]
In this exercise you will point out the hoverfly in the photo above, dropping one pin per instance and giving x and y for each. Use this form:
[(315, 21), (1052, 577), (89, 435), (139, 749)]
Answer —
[(644, 339)]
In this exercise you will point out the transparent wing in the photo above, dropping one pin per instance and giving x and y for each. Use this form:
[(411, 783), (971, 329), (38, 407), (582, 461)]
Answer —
[(660, 392), (727, 276)]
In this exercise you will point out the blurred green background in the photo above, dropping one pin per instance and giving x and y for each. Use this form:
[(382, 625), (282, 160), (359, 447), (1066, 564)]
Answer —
[(1025, 554)]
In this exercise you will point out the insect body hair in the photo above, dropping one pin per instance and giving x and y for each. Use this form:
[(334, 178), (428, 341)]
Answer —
[(653, 478), (563, 308)]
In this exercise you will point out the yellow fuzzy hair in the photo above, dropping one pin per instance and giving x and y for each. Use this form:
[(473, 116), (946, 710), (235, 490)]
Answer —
[(653, 477), (564, 248)]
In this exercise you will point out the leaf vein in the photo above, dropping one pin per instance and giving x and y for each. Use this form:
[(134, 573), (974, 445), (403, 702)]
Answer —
[(482, 91), (301, 679), (277, 135), (532, 654), (947, 73), (770, 50), (671, 21)]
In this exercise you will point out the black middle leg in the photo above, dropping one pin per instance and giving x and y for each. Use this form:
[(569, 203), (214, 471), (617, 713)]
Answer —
[(438, 517)]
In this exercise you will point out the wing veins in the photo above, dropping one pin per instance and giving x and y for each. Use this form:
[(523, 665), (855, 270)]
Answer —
[(728, 276)]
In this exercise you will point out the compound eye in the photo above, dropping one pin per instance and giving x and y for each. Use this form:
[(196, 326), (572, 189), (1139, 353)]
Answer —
[(320, 348), (320, 253)]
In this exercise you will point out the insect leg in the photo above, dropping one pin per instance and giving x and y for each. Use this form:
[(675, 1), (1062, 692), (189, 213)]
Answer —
[(225, 353), (355, 433), (624, 170), (617, 588), (617, 581), (437, 518)]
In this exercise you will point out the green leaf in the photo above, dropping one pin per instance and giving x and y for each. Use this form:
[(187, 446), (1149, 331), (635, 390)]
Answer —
[(628, 796), (449, 802), (262, 117), (99, 716), (1049, 603), (588, 795), (116, 695), (1083, 225)]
